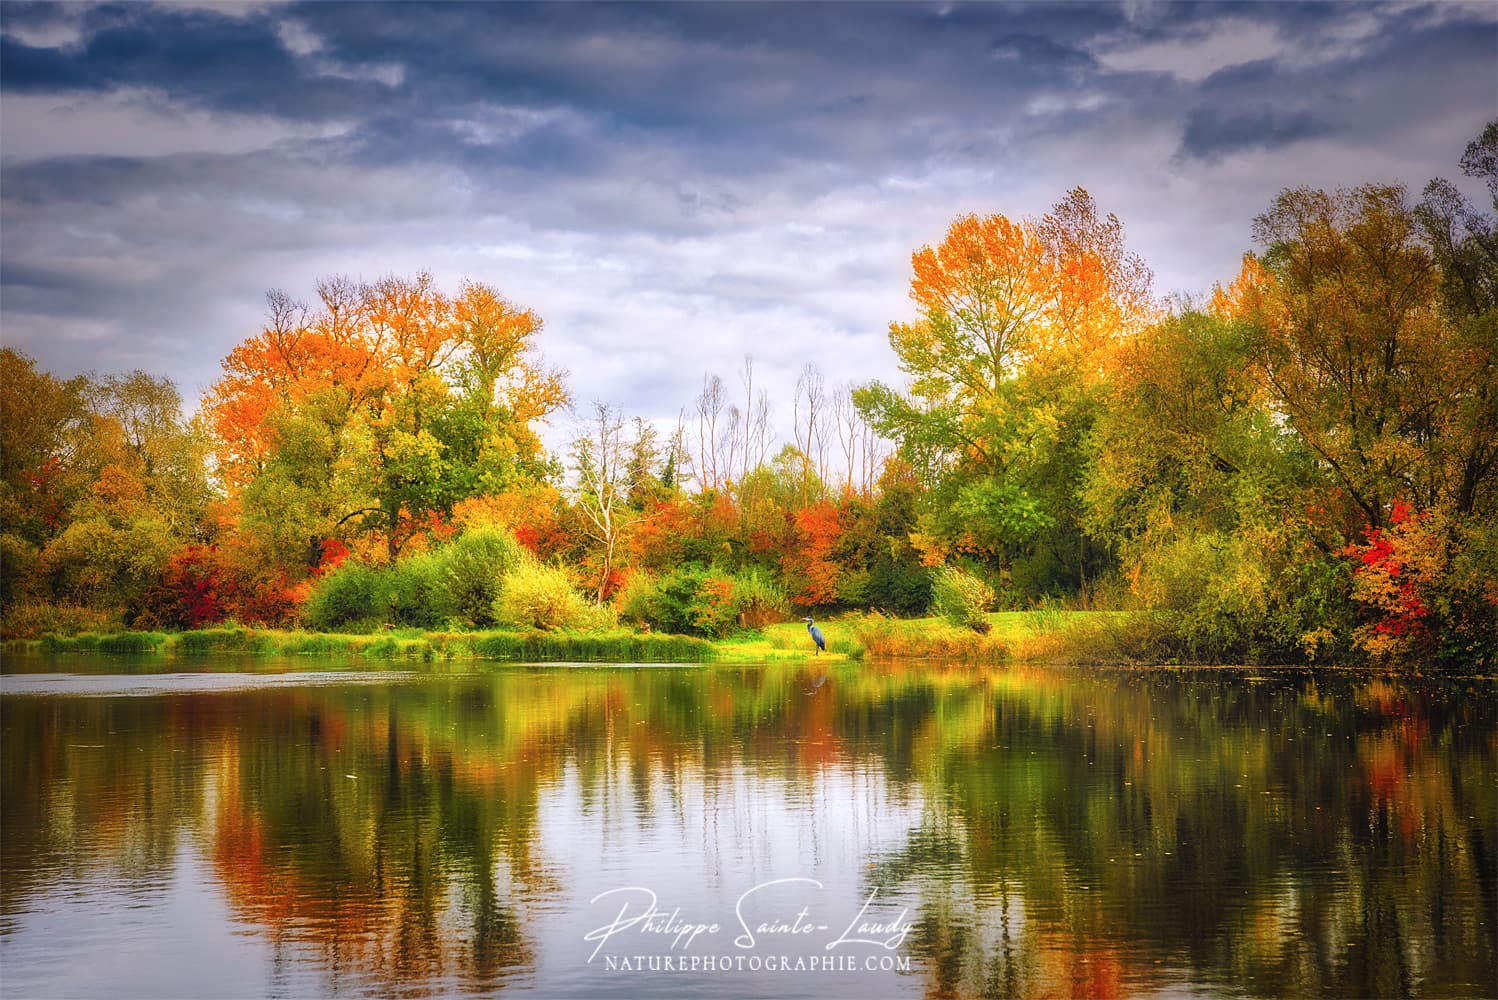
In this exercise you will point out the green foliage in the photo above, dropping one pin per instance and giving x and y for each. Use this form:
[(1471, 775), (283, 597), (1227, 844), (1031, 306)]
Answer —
[(758, 598), (618, 647), (125, 643), (962, 598), (474, 566), (418, 590), (347, 597), (696, 601), (672, 605), (459, 581)]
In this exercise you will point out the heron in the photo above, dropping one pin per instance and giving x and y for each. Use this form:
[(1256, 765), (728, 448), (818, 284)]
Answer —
[(816, 635)]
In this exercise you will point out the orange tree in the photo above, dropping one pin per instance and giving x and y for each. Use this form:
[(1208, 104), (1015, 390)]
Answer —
[(1016, 324), (376, 411)]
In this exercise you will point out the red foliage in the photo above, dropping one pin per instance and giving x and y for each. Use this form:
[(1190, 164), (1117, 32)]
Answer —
[(1394, 566), (48, 500), (331, 553), (196, 583), (810, 572), (205, 584)]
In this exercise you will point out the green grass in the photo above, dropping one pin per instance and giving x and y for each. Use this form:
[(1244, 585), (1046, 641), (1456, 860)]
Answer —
[(533, 646)]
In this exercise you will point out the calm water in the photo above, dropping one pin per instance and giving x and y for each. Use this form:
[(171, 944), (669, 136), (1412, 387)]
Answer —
[(1020, 832)]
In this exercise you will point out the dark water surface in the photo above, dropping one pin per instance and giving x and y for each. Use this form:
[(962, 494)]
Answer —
[(1016, 832)]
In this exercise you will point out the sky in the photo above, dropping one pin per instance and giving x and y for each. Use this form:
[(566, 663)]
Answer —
[(672, 187)]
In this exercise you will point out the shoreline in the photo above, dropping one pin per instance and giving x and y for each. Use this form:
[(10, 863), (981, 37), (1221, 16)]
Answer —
[(1051, 638)]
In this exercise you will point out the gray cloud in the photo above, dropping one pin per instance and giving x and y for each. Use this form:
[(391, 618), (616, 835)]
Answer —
[(1211, 133), (671, 186)]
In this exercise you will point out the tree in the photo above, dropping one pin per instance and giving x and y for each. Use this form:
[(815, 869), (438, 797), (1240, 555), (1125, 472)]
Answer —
[(1395, 400), (46, 460), (1016, 322), (401, 399), (603, 485)]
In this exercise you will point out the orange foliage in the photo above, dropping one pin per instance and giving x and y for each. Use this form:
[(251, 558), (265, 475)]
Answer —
[(810, 570), (375, 343), (1244, 296)]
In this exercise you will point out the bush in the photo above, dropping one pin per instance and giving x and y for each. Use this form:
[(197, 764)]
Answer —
[(673, 605), (695, 601), (417, 592), (539, 596), (636, 598), (962, 598), (761, 601), (348, 597), (474, 566)]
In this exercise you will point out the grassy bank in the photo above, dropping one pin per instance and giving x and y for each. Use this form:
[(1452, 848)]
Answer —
[(618, 646), (1048, 636)]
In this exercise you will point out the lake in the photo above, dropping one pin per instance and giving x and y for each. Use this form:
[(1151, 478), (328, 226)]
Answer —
[(874, 831)]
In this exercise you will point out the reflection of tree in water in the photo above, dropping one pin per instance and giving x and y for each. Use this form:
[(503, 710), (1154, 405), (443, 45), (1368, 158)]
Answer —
[(1296, 836), (386, 836), (1081, 833), (85, 792)]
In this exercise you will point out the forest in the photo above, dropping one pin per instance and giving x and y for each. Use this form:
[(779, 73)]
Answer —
[(1298, 467)]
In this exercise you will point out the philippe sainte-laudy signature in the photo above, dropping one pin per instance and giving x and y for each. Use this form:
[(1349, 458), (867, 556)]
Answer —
[(761, 913)]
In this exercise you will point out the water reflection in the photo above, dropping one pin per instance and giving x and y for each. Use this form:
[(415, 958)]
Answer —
[(1046, 832)]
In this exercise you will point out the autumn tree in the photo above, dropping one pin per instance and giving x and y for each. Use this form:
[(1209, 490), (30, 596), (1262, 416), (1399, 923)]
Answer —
[(1015, 322), (1395, 399), (380, 408)]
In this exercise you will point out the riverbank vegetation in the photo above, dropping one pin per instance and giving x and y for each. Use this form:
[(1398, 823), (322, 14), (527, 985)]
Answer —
[(1301, 468)]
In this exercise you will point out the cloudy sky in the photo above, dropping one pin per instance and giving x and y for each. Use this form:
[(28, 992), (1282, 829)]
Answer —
[(671, 187)]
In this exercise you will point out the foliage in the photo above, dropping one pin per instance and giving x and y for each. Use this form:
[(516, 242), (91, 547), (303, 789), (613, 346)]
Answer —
[(473, 567), (1304, 469), (381, 408), (539, 596), (697, 601), (962, 598), (348, 597)]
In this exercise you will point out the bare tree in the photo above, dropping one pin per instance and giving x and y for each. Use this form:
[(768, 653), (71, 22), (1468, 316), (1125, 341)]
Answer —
[(601, 461), (809, 425), (679, 454), (845, 420), (710, 403), (759, 425), (728, 447)]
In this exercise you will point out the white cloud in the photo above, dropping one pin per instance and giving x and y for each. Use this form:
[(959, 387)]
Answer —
[(1231, 42)]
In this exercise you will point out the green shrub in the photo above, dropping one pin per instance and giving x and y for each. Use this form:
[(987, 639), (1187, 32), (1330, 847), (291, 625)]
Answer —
[(416, 590), (636, 599), (474, 566), (760, 600), (695, 601), (539, 596), (672, 607), (962, 598), (350, 596)]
